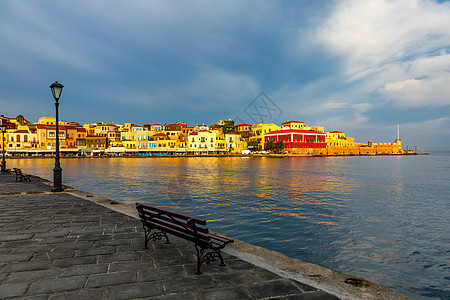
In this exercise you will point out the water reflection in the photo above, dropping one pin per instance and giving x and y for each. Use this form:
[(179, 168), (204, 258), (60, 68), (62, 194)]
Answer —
[(375, 217)]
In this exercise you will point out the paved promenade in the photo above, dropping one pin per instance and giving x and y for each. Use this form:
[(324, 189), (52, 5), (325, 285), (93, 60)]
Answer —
[(59, 246), (71, 246)]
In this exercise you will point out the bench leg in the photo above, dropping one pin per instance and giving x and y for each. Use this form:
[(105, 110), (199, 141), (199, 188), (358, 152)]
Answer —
[(222, 263), (208, 257), (154, 236)]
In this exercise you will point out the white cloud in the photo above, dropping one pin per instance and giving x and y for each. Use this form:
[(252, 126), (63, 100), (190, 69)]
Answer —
[(385, 45), (373, 33), (431, 87)]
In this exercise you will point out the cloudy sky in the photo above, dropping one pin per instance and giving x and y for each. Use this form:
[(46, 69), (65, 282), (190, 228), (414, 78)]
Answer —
[(361, 67)]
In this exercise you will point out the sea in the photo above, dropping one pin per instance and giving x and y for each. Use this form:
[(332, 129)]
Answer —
[(382, 218)]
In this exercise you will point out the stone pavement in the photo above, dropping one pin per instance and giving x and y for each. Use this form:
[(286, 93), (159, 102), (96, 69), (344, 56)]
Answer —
[(61, 246)]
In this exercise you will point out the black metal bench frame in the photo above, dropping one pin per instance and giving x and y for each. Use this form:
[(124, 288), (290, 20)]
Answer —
[(161, 222), (6, 171), (20, 176)]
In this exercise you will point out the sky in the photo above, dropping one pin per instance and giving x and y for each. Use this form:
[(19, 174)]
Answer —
[(360, 67)]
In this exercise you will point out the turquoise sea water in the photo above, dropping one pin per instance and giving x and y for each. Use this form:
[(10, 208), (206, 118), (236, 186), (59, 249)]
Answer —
[(383, 218)]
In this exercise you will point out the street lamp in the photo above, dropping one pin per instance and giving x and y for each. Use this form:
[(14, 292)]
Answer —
[(3, 127), (56, 88)]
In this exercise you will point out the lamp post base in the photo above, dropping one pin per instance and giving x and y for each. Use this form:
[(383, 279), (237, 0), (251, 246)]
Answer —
[(57, 179)]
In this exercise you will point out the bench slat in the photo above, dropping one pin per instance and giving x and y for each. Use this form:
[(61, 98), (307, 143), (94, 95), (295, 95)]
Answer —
[(219, 238), (149, 216), (177, 215)]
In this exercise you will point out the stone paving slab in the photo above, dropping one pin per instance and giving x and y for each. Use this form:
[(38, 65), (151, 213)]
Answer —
[(59, 246)]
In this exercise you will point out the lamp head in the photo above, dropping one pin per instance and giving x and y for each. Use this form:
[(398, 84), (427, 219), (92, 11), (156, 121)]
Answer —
[(56, 88)]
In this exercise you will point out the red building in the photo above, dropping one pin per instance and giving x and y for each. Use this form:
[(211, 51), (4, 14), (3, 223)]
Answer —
[(294, 139)]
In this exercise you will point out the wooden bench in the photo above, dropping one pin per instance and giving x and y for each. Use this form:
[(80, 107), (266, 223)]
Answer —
[(20, 176), (162, 221)]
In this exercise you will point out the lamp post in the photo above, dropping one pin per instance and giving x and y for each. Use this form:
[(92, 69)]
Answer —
[(56, 88), (3, 127)]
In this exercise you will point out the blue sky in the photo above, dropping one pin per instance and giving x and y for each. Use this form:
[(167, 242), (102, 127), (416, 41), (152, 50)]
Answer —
[(361, 67)]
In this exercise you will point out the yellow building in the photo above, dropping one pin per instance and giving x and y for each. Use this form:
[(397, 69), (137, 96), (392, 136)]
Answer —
[(234, 142), (135, 133), (50, 121), (202, 141), (259, 130), (316, 128), (20, 139), (129, 144), (46, 121), (90, 128), (337, 138), (46, 135), (166, 144)]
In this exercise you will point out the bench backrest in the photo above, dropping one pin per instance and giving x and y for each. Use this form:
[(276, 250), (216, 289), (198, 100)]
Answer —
[(186, 227)]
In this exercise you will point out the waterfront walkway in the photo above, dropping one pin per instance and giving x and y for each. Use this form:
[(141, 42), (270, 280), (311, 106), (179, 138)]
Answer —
[(68, 246), (59, 246)]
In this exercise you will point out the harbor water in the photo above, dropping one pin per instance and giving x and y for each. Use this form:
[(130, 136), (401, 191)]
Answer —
[(383, 218)]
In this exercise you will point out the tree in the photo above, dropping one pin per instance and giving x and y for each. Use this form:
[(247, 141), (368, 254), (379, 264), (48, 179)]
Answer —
[(269, 145), (254, 146), (278, 146), (20, 119)]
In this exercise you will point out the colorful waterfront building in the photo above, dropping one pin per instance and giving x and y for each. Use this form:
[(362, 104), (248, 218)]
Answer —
[(90, 128), (81, 137), (71, 136), (21, 139), (159, 137), (202, 142), (96, 143), (46, 121), (156, 127), (245, 130), (260, 130), (134, 133), (235, 143), (174, 131), (293, 125), (297, 141), (46, 135), (338, 138)]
